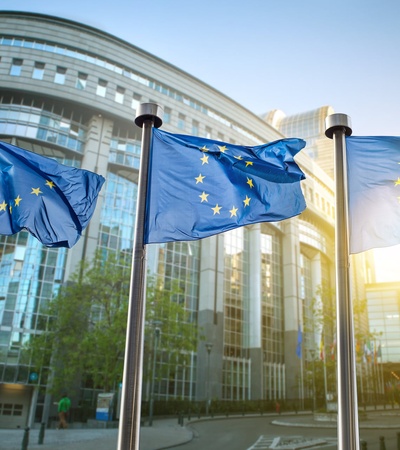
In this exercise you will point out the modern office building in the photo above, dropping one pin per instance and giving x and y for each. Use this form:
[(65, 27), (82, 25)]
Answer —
[(70, 91), (383, 348)]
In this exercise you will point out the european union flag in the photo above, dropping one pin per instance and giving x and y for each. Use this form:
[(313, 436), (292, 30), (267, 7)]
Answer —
[(52, 201), (199, 187), (373, 172)]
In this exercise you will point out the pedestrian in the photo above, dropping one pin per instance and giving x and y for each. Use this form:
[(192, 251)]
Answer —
[(64, 406), (278, 407)]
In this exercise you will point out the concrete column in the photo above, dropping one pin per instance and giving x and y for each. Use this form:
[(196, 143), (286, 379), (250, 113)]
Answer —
[(95, 159), (291, 276), (210, 318), (255, 312), (316, 281), (32, 409)]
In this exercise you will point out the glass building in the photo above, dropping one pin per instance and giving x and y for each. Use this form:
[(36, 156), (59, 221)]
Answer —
[(70, 91)]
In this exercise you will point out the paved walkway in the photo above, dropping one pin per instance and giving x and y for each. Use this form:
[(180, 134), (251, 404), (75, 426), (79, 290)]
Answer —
[(167, 433), (163, 434)]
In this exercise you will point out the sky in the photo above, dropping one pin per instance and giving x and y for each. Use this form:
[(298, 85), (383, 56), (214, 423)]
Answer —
[(269, 54)]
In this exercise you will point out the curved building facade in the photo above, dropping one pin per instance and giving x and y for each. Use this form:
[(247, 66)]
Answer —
[(70, 91)]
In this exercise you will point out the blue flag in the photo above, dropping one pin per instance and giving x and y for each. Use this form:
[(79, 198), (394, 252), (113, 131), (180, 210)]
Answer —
[(373, 169), (52, 201), (299, 342), (199, 187)]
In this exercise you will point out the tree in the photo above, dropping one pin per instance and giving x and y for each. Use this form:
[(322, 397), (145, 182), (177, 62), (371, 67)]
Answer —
[(165, 310), (86, 336), (85, 339)]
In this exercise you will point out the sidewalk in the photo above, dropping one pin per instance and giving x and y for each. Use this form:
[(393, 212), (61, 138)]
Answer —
[(163, 434), (167, 433)]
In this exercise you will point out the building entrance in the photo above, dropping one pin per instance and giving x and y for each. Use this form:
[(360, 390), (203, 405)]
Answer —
[(14, 405)]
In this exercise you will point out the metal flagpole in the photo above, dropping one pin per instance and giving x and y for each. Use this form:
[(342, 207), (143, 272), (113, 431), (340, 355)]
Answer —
[(148, 115), (337, 127)]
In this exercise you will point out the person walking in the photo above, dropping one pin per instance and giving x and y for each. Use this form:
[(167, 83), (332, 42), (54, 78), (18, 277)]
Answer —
[(64, 406)]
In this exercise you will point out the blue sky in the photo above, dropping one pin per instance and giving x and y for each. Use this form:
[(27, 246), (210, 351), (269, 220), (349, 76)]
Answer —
[(267, 54), (284, 54)]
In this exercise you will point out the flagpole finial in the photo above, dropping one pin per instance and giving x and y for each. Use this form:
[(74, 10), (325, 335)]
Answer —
[(335, 122), (149, 111)]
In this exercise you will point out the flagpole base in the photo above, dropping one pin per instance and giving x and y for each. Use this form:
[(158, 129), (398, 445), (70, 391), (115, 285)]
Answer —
[(336, 122), (149, 111)]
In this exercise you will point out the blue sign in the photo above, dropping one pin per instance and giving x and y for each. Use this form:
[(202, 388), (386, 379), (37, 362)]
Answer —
[(33, 376)]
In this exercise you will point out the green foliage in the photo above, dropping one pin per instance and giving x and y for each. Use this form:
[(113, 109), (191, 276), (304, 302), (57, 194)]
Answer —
[(165, 310), (87, 334), (85, 340)]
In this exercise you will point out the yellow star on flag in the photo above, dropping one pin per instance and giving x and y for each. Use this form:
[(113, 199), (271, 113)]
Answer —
[(397, 182), (203, 197), (246, 201), (50, 184), (250, 182), (204, 159), (238, 157), (36, 191), (222, 148), (200, 178), (233, 211), (3, 206), (249, 163), (204, 149), (216, 209), (17, 200)]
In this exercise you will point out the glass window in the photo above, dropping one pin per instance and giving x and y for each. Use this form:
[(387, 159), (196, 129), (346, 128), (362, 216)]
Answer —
[(81, 81), (119, 95), (208, 132), (101, 88), (167, 115), (181, 121), (38, 71), (59, 77), (16, 67), (135, 101), (195, 128)]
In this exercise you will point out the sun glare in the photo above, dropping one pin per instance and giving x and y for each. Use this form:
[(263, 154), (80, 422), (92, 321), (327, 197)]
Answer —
[(387, 265)]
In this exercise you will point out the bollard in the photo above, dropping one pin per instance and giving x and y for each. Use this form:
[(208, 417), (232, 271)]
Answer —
[(41, 433), (25, 439), (363, 445), (382, 445)]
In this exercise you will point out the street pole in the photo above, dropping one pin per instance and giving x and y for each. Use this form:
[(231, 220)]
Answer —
[(153, 375), (209, 346), (338, 126)]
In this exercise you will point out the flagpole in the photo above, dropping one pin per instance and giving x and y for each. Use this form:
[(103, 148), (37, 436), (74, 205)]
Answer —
[(337, 127), (148, 115)]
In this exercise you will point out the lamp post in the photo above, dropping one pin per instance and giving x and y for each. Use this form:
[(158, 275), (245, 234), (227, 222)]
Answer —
[(153, 375), (312, 353), (209, 346)]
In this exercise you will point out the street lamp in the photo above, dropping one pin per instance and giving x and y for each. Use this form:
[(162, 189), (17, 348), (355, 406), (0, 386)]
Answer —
[(312, 353), (153, 376), (209, 346)]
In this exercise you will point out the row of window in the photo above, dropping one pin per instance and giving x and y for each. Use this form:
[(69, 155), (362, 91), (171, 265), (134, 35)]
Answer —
[(38, 72), (101, 91), (10, 409), (155, 85)]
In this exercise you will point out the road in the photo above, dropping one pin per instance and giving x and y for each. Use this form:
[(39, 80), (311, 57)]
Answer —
[(247, 433)]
